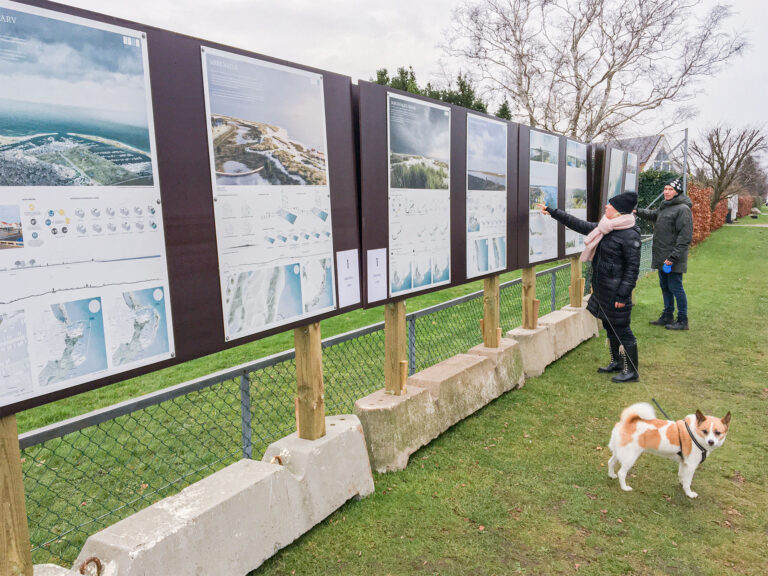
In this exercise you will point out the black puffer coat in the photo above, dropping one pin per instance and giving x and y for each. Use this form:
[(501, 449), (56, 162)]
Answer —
[(615, 267)]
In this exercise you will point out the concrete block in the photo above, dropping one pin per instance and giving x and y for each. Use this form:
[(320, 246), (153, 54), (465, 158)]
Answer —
[(396, 426), (50, 570), (564, 328), (508, 362), (460, 385), (233, 520), (537, 348), (588, 325)]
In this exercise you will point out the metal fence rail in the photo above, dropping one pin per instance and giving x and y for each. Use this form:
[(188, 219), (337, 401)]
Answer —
[(88, 472)]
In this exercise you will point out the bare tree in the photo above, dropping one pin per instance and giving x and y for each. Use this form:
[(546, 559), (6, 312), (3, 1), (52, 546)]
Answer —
[(721, 156), (587, 68)]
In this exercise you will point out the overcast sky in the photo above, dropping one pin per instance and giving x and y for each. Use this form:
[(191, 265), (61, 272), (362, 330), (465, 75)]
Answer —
[(355, 37)]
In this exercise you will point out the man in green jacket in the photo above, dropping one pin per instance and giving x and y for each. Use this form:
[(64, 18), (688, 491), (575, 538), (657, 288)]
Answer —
[(672, 235)]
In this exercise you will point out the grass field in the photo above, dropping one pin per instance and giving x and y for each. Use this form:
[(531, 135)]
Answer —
[(521, 487)]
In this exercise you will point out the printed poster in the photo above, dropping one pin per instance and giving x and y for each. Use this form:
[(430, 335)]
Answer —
[(419, 195), (82, 250), (630, 175), (272, 201), (543, 182), (615, 172), (486, 196), (575, 192)]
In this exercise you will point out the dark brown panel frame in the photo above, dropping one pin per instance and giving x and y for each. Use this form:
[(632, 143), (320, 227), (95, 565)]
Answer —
[(185, 183)]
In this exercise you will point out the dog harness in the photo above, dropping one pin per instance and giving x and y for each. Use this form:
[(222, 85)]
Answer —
[(693, 439)]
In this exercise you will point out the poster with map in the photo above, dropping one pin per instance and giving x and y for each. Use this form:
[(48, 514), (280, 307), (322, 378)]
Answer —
[(486, 196), (575, 192), (419, 195), (81, 221), (272, 200), (542, 189)]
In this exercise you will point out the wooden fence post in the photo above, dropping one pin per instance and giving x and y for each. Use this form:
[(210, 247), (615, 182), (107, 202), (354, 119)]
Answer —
[(530, 303), (395, 347), (15, 550), (310, 400), (576, 289), (491, 314)]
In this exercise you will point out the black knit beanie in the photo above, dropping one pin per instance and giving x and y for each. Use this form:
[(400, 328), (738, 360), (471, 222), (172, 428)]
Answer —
[(624, 203), (677, 184)]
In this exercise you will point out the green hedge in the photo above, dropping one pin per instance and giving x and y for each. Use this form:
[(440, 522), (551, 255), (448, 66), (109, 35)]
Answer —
[(650, 186)]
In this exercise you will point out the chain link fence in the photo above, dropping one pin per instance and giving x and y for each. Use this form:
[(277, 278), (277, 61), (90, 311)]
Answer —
[(86, 473)]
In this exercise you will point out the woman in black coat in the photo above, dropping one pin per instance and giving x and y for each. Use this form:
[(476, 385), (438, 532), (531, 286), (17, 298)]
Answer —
[(613, 246)]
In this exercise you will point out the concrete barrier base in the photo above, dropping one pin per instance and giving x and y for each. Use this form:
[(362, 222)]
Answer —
[(233, 520), (537, 348), (50, 570), (436, 399)]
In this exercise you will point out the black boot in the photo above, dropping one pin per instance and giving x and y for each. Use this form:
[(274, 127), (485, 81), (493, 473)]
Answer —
[(681, 324), (615, 364), (629, 372), (664, 319)]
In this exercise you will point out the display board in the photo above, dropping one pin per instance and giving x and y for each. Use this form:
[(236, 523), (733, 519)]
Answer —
[(272, 201), (630, 174), (83, 270), (542, 155), (419, 207), (616, 171), (486, 200), (417, 160), (109, 260), (576, 186)]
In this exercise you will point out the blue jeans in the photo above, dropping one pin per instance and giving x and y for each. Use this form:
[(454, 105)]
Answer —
[(672, 289)]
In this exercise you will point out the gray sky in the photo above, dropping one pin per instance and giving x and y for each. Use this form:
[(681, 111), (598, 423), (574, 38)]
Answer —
[(355, 37)]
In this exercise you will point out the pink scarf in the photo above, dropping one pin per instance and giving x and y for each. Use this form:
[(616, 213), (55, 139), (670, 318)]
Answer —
[(605, 226)]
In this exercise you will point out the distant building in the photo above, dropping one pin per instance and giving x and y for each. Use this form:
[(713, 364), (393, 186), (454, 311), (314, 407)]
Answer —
[(653, 152)]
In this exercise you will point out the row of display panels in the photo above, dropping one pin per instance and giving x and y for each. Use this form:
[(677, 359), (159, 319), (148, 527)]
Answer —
[(104, 277)]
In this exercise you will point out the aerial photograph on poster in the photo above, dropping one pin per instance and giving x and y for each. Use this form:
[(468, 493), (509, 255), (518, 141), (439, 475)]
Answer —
[(486, 154), (419, 145), (267, 122), (77, 114)]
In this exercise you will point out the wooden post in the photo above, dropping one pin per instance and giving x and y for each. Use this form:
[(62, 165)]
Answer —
[(15, 550), (530, 303), (395, 347), (490, 325), (310, 400), (576, 289)]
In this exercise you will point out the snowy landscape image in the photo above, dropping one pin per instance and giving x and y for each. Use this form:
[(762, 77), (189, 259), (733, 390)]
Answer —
[(486, 154), (83, 120), (267, 123), (419, 145)]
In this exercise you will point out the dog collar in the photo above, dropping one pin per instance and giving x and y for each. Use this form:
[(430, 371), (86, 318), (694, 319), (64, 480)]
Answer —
[(699, 446)]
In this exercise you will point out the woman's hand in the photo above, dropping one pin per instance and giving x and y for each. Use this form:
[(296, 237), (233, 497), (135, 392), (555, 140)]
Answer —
[(543, 208), (619, 304)]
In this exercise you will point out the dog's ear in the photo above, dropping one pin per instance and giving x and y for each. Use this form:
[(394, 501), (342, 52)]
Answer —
[(700, 417), (726, 419)]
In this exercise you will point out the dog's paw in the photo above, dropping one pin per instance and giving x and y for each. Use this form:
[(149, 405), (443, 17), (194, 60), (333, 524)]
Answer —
[(627, 488), (691, 494), (612, 475)]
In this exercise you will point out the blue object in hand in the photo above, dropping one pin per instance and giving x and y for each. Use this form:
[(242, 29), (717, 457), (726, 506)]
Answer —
[(667, 268)]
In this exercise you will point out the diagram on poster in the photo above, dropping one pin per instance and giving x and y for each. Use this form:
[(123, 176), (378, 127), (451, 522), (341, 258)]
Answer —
[(419, 196), (81, 220), (575, 192), (615, 172), (272, 201), (543, 182), (630, 175), (486, 195)]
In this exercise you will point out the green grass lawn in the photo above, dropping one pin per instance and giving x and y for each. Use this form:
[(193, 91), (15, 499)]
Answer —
[(521, 486), (762, 218)]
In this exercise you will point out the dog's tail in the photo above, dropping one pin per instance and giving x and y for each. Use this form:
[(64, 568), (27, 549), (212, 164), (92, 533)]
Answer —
[(637, 411)]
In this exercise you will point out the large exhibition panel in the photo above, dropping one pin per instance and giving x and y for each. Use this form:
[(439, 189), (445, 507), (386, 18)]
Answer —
[(161, 198), (437, 210)]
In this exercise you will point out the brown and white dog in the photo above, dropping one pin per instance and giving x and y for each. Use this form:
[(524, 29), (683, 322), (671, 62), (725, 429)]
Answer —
[(640, 431)]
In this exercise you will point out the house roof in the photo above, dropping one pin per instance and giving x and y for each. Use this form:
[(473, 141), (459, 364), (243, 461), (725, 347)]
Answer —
[(643, 146)]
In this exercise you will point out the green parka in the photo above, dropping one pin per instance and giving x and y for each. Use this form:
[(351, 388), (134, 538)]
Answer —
[(672, 232)]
